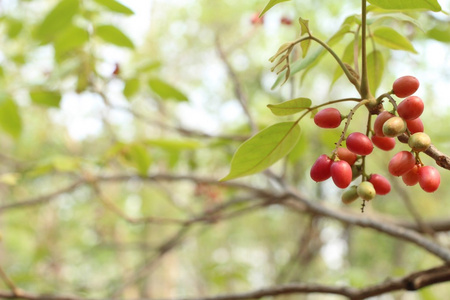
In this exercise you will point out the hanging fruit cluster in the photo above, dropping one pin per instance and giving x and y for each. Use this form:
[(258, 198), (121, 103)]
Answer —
[(345, 165)]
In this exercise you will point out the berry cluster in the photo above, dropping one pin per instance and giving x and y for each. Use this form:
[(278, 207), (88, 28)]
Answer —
[(344, 165)]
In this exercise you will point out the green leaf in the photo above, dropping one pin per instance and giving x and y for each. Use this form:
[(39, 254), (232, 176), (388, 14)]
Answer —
[(138, 157), (347, 57), (174, 145), (305, 47), (298, 66), (313, 58), (398, 17), (375, 69), (148, 66), (166, 90), (439, 33), (15, 26), (65, 163), (46, 97), (57, 19), (390, 38), (115, 6), (304, 26), (131, 87), (10, 120), (264, 149), (432, 5), (71, 38), (270, 5), (290, 107), (114, 35)]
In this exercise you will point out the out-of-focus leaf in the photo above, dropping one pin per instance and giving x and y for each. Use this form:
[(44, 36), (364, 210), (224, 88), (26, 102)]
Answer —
[(115, 6), (347, 57), (64, 163), (440, 33), (176, 145), (390, 38), (148, 66), (57, 19), (270, 5), (432, 5), (398, 17), (290, 107), (375, 69), (14, 27), (10, 120), (131, 87), (139, 157), (46, 97), (166, 90), (264, 149), (113, 35), (71, 38)]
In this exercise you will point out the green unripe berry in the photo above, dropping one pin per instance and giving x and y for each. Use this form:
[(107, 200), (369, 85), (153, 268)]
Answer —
[(366, 190), (419, 141), (349, 195), (394, 127)]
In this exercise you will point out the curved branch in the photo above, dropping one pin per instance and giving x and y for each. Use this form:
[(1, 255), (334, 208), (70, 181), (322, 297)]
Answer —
[(385, 227)]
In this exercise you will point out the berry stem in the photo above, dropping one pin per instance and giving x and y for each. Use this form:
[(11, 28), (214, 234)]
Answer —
[(364, 88), (310, 109), (347, 123)]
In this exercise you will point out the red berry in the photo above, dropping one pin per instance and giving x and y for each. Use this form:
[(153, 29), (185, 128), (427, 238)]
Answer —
[(411, 177), (380, 183), (429, 178), (320, 170), (286, 21), (379, 122), (401, 163), (405, 86), (384, 143), (415, 125), (328, 118), (347, 155), (359, 143), (341, 173), (411, 108)]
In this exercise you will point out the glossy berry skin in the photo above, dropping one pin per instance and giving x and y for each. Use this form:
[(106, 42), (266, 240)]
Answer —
[(328, 118), (411, 177), (384, 143), (415, 125), (394, 127), (347, 155), (380, 183), (341, 173), (411, 108), (379, 122), (429, 179), (405, 86), (320, 170), (366, 190), (349, 195), (401, 163), (419, 141), (359, 143)]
